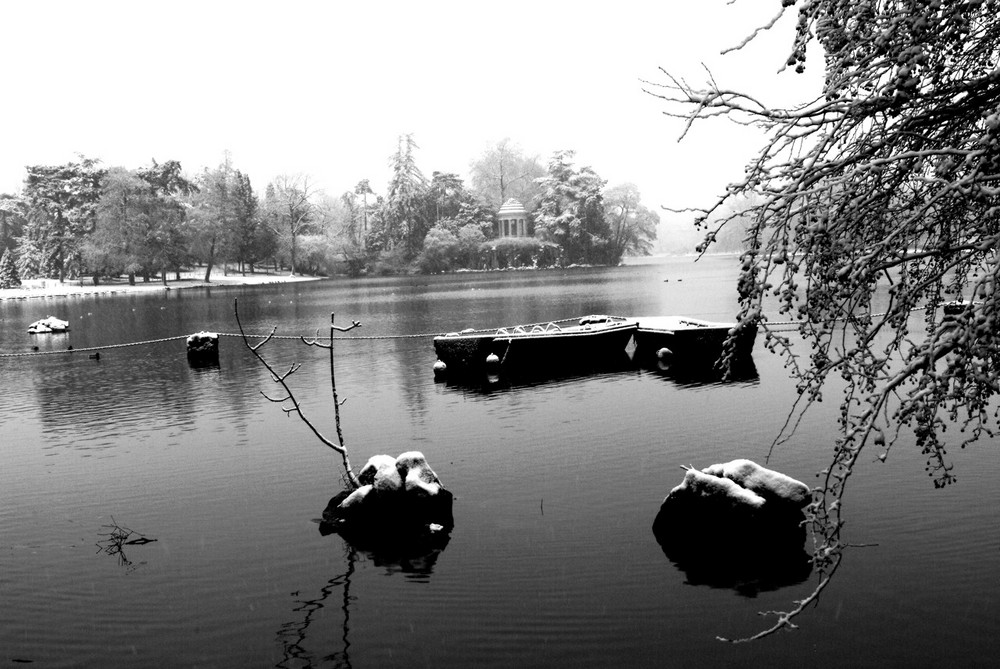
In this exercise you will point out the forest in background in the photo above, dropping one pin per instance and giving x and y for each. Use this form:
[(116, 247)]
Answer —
[(86, 220)]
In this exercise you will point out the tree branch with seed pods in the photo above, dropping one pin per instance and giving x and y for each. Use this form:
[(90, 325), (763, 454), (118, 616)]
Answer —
[(876, 201)]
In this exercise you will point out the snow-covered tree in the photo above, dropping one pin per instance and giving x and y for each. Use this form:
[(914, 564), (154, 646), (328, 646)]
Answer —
[(571, 211), (404, 216), (8, 271), (632, 225)]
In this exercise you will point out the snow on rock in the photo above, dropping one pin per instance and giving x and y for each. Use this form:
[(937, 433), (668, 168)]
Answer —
[(400, 494), (48, 324), (733, 504), (203, 343), (380, 472), (709, 487), (419, 477), (773, 486), (356, 498)]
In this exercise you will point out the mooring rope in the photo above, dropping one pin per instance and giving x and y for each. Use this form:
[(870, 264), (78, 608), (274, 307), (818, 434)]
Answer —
[(93, 348), (316, 337), (146, 342), (796, 324)]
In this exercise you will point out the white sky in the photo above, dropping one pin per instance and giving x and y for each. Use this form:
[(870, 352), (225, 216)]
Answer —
[(325, 88)]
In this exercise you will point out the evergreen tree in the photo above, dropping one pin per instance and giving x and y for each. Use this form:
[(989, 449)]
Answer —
[(405, 217), (8, 271), (571, 211), (61, 200)]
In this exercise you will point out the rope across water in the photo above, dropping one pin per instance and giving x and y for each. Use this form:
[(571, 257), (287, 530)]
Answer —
[(147, 342), (422, 335)]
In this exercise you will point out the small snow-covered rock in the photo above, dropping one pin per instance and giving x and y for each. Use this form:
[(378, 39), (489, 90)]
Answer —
[(367, 474), (417, 474), (48, 324), (416, 482), (357, 497), (203, 343), (380, 472)]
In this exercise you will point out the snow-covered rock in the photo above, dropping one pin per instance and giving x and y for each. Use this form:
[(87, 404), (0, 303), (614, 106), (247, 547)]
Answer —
[(733, 504), (48, 324), (711, 488), (380, 471), (203, 343), (357, 497), (773, 486), (420, 479), (397, 495)]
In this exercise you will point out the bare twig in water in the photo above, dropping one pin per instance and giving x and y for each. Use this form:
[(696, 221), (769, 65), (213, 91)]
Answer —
[(289, 404), (116, 538)]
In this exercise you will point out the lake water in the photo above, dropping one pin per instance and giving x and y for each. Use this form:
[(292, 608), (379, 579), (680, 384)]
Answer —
[(552, 561)]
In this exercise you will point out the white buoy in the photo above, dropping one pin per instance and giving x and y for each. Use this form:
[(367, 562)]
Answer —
[(664, 359), (439, 369), (492, 359)]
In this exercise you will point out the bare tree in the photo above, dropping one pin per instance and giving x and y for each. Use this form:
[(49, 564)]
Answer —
[(294, 209), (289, 403)]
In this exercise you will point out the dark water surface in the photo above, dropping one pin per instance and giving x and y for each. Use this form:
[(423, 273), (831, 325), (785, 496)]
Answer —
[(552, 561)]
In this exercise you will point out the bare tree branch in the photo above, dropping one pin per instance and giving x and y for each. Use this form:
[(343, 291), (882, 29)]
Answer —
[(296, 408)]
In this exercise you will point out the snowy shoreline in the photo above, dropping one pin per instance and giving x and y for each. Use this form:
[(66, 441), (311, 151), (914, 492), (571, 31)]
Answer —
[(44, 288)]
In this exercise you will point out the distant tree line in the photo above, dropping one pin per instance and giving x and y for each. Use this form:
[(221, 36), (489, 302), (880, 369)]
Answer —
[(83, 220)]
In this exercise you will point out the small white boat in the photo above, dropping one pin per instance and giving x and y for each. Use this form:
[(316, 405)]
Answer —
[(48, 325)]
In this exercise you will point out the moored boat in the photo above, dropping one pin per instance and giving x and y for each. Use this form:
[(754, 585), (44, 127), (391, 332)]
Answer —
[(679, 340), (590, 343), (586, 342)]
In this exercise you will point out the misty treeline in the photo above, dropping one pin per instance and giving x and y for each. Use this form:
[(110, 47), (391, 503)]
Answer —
[(85, 220)]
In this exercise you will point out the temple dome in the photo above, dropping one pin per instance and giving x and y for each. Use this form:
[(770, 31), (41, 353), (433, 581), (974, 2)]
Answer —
[(512, 207)]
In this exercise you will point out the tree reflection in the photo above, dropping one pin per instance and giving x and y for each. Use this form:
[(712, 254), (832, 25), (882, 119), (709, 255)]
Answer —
[(293, 634), (412, 553)]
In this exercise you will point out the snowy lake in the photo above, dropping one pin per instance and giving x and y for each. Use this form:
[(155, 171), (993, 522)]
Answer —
[(552, 561)]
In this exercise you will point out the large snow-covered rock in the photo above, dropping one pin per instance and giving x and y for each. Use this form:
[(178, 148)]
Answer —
[(734, 501), (397, 495)]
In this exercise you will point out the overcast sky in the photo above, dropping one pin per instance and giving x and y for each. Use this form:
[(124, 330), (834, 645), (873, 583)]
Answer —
[(325, 88)]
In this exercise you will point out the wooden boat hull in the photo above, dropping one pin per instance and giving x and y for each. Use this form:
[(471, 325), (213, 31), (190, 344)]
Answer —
[(689, 342), (584, 346), (594, 343)]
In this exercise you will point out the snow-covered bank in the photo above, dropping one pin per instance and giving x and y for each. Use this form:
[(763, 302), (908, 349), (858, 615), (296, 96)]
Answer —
[(53, 288)]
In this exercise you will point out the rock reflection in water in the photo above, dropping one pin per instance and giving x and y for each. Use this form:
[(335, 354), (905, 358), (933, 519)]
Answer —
[(751, 559), (409, 550)]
